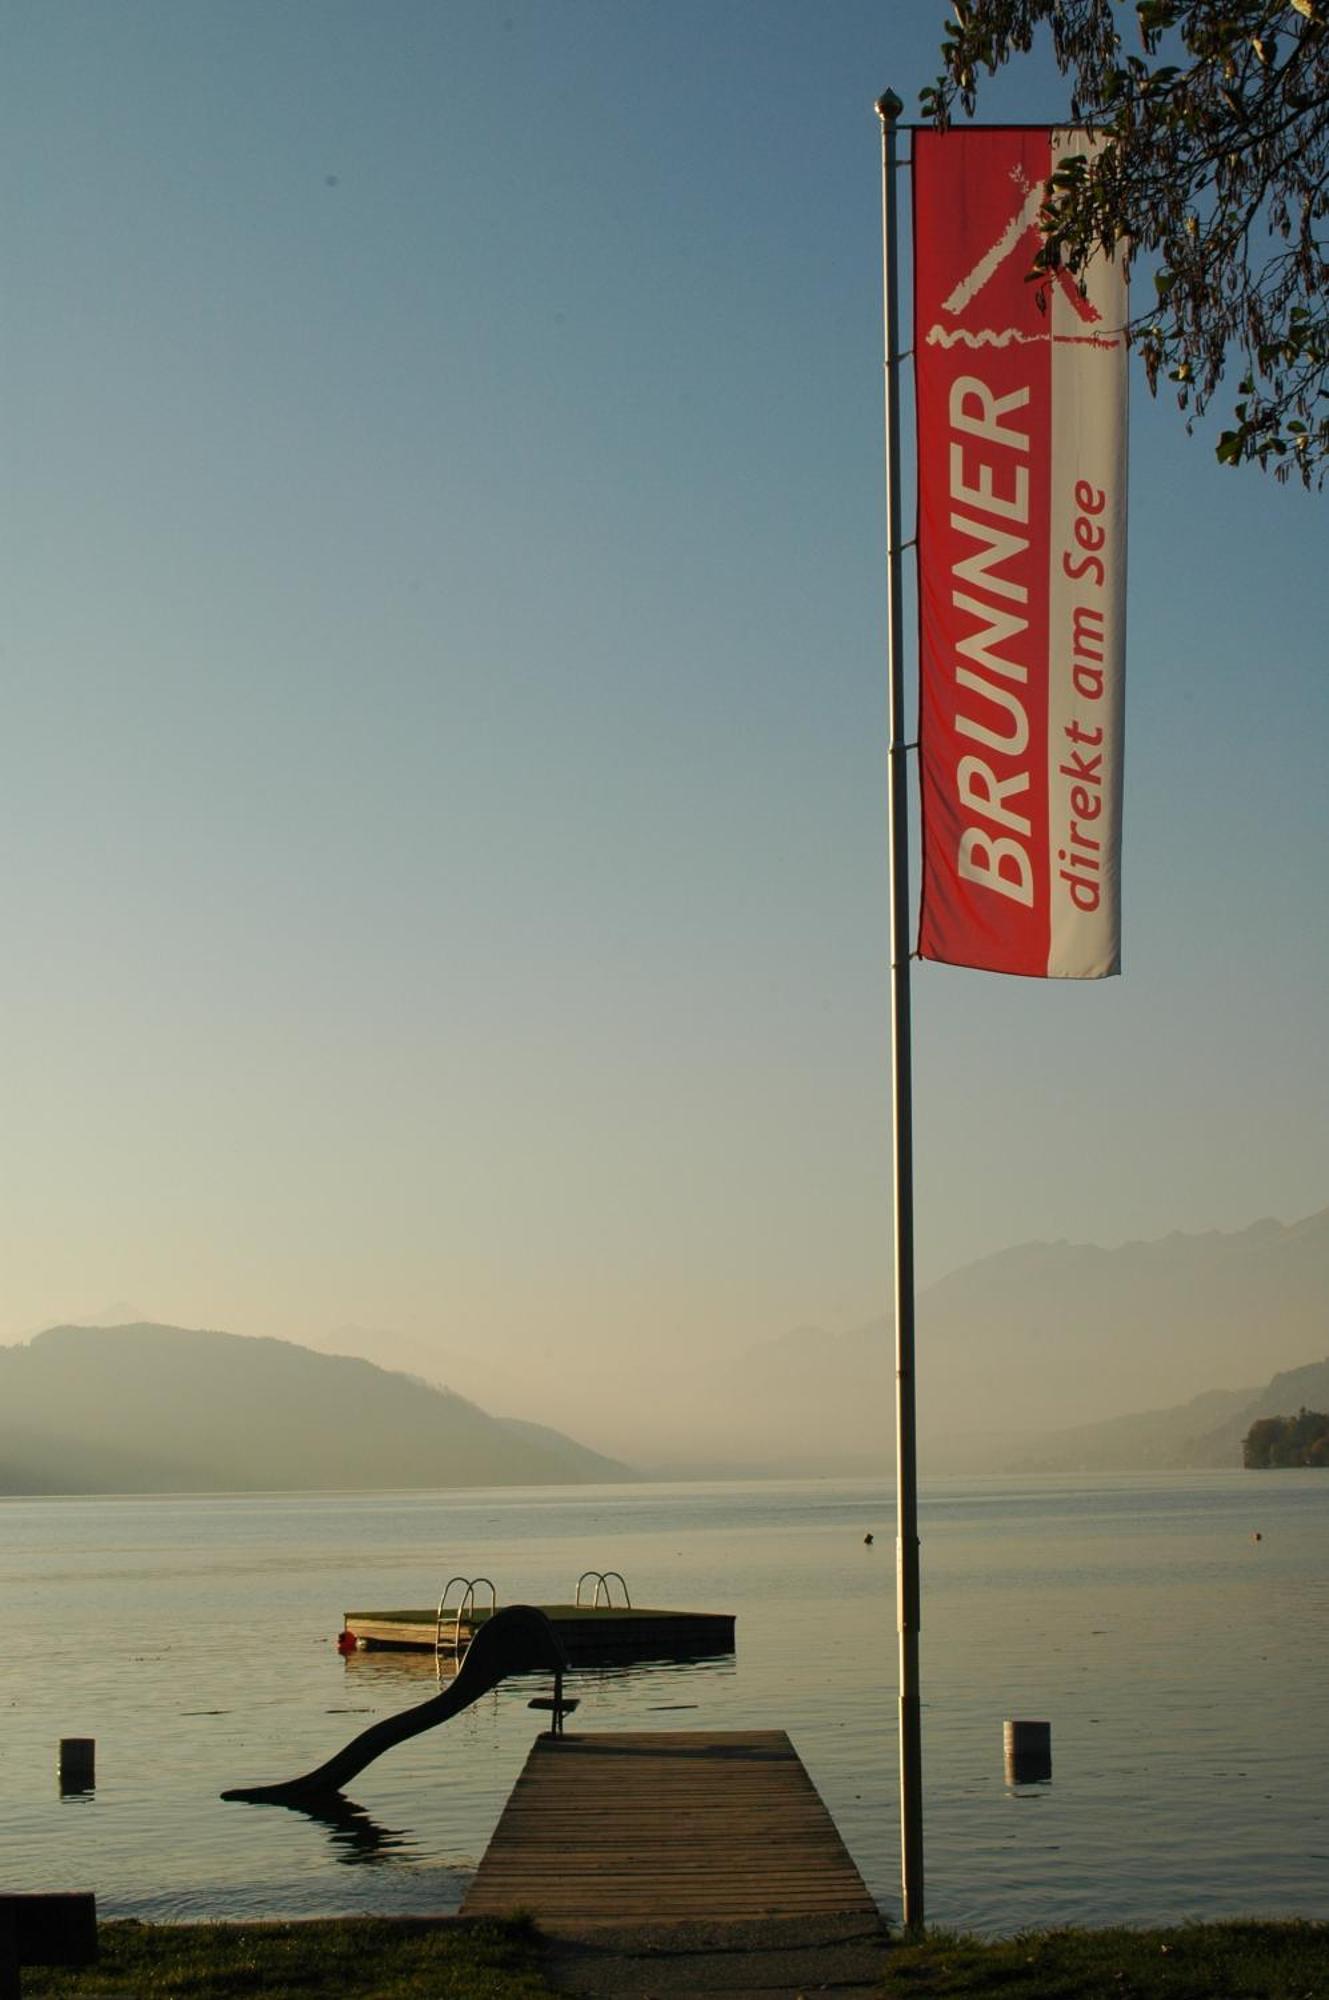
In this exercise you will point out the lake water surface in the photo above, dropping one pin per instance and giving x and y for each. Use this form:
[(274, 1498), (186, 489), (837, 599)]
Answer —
[(1182, 1663)]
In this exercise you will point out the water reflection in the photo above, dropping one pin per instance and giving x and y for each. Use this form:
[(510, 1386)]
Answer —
[(356, 1838), (386, 1666), (380, 1665), (658, 1676)]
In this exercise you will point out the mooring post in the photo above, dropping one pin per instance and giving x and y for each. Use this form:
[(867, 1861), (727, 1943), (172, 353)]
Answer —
[(1028, 1752), (78, 1763)]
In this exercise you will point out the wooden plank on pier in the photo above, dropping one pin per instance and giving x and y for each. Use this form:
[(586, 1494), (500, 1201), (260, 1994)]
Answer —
[(646, 1828)]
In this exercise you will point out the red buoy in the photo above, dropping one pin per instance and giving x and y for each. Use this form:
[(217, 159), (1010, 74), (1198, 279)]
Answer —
[(346, 1642)]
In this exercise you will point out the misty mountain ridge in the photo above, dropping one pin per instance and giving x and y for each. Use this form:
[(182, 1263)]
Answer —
[(1053, 1355), (147, 1408), (1036, 1341), (1205, 1433), (1013, 1350)]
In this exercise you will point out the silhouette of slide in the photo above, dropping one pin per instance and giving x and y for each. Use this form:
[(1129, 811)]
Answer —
[(517, 1640)]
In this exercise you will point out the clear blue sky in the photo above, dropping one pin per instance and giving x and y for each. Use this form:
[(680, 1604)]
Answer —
[(443, 824)]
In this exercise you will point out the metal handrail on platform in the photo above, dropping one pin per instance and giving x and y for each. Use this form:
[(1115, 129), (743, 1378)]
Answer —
[(465, 1604), (602, 1579)]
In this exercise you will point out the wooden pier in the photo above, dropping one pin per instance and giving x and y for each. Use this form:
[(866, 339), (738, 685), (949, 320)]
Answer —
[(661, 1828)]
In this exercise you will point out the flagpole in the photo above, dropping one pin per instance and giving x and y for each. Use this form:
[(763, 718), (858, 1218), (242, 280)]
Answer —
[(889, 108)]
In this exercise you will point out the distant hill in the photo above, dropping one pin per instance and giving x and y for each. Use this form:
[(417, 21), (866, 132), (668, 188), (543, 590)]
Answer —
[(1292, 1390), (1056, 1334), (1189, 1436), (168, 1409), (1206, 1432), (1038, 1351)]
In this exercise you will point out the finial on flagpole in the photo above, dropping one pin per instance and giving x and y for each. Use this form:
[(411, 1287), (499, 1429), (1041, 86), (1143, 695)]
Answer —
[(889, 107)]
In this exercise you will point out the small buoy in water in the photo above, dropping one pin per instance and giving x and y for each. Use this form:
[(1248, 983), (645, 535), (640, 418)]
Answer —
[(1257, 1536), (867, 1541), (346, 1642)]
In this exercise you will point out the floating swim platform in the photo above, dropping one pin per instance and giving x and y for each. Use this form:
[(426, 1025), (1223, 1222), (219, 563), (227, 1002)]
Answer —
[(592, 1634)]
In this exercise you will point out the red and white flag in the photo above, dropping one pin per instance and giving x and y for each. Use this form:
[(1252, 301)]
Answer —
[(1021, 390)]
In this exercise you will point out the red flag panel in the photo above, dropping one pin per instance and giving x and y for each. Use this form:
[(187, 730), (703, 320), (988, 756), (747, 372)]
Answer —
[(1022, 563)]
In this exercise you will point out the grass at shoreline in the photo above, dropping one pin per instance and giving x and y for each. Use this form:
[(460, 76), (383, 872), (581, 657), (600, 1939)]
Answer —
[(416, 1959), (348, 1958), (1214, 1961)]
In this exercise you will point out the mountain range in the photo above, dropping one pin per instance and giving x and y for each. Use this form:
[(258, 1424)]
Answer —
[(1032, 1355), (154, 1409), (1205, 1432), (1047, 1356)]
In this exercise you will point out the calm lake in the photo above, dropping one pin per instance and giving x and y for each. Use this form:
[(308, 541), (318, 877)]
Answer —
[(1181, 1661)]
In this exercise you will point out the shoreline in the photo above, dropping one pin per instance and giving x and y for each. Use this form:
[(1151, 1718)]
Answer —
[(510, 1959)]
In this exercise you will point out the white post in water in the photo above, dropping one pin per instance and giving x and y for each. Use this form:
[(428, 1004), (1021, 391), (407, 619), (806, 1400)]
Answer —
[(889, 108)]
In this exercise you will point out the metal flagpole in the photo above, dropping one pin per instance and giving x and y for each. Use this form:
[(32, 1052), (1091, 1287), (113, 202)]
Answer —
[(889, 108)]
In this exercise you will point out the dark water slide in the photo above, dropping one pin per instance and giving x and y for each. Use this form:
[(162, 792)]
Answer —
[(517, 1640)]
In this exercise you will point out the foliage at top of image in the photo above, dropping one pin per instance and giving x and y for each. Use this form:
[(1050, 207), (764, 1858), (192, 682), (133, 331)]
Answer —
[(1275, 1441), (1215, 165)]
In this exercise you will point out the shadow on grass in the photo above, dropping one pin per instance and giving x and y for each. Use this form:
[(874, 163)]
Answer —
[(1222, 1961), (388, 1958)]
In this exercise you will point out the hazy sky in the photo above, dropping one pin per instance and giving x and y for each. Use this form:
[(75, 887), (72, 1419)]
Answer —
[(444, 844)]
